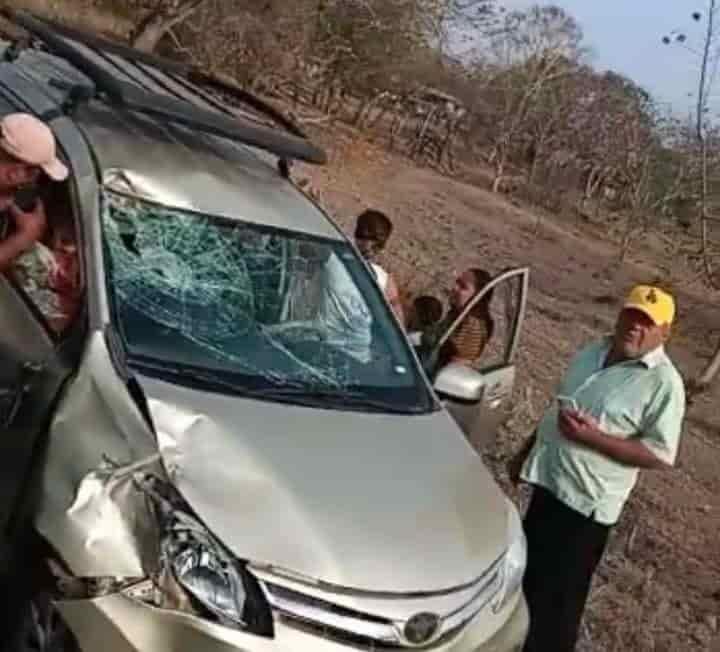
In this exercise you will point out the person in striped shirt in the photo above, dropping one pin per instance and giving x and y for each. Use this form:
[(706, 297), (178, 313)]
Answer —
[(468, 340)]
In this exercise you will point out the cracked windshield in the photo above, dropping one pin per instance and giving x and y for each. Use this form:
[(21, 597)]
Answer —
[(245, 309)]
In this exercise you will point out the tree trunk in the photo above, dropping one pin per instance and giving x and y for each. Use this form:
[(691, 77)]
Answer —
[(499, 160), (711, 370), (499, 175), (538, 223), (419, 144), (538, 152), (94, 19), (396, 130), (376, 120), (594, 181), (701, 383), (704, 246), (156, 24), (359, 117), (627, 239), (703, 94), (446, 150)]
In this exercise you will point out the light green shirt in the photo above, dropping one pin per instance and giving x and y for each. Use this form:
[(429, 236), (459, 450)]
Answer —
[(642, 399)]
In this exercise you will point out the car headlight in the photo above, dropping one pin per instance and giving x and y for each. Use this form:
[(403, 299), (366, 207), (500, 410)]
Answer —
[(515, 560), (205, 572), (192, 561)]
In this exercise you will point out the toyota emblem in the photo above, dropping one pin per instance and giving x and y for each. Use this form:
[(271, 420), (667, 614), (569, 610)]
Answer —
[(421, 628)]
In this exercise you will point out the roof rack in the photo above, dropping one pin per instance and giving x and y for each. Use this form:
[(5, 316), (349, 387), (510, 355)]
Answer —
[(188, 98)]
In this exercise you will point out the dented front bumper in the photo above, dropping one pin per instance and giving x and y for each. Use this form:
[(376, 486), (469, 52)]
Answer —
[(119, 623)]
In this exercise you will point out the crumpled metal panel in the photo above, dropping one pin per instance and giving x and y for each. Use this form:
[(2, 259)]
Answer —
[(282, 486), (306, 490), (118, 623), (91, 511)]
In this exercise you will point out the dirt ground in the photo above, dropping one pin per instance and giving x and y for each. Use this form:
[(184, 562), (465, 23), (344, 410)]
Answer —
[(659, 585)]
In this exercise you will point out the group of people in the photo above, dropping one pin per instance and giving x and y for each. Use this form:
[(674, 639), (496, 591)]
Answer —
[(323, 295), (619, 409), (427, 320), (620, 404)]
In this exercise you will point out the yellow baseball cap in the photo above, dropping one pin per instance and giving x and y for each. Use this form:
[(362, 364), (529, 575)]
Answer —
[(654, 302)]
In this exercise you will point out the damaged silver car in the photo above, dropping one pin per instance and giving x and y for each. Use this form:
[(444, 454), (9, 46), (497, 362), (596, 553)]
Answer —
[(236, 447)]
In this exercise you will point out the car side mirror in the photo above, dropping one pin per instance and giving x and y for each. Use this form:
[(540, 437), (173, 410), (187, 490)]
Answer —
[(461, 383)]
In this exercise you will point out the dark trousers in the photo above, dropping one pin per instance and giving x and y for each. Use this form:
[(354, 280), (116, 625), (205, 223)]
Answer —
[(564, 549)]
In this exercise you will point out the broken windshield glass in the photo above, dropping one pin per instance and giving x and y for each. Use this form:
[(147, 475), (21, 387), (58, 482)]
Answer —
[(250, 306)]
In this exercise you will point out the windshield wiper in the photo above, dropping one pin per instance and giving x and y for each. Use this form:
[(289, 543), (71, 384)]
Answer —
[(203, 378), (353, 400), (296, 394)]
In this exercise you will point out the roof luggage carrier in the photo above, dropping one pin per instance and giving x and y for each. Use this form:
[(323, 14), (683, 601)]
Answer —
[(186, 96)]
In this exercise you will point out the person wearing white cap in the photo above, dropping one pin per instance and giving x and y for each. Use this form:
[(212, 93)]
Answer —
[(41, 260), (30, 142), (27, 154)]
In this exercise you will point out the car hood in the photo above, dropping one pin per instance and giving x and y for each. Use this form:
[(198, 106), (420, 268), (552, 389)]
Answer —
[(362, 501)]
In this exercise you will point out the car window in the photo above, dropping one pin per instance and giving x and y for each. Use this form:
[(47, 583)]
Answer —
[(484, 335), (503, 308), (49, 273), (251, 307)]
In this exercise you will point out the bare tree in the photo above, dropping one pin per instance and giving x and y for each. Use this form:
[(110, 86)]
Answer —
[(709, 58), (534, 49), (452, 21), (159, 21), (91, 16), (654, 181), (708, 69)]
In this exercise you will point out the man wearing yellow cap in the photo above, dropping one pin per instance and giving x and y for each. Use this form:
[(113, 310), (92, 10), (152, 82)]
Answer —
[(619, 408)]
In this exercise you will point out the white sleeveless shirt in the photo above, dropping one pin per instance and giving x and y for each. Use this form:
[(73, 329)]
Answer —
[(381, 275)]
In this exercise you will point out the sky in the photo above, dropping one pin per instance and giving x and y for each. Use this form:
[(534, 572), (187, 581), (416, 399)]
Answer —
[(626, 36)]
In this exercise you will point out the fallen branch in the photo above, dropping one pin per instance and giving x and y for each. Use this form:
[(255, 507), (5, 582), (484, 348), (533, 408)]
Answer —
[(307, 120), (631, 541)]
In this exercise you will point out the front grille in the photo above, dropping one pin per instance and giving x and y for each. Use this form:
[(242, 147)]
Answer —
[(313, 612), (280, 592), (358, 641), (367, 631)]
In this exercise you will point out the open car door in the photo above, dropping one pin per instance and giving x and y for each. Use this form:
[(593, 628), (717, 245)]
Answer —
[(478, 395)]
